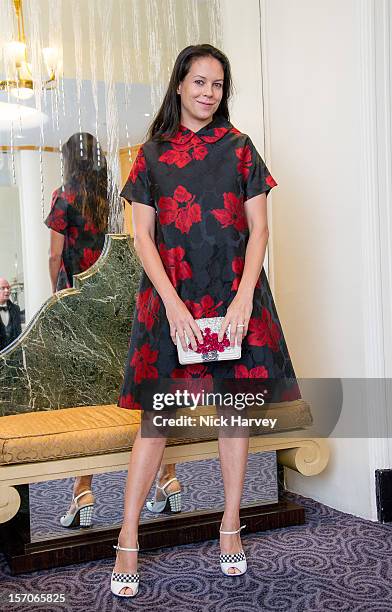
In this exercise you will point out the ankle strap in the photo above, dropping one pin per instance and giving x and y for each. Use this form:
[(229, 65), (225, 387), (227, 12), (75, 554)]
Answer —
[(231, 532), (81, 495), (166, 483), (117, 547)]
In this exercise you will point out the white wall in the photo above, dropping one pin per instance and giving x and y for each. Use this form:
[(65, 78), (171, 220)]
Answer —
[(315, 124), (242, 45)]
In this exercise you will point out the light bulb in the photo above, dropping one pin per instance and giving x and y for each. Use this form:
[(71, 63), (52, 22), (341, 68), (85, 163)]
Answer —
[(16, 51), (51, 58)]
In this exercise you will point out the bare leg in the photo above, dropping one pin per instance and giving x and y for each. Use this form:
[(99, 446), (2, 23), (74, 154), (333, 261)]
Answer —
[(233, 454), (82, 483), (166, 472), (146, 457)]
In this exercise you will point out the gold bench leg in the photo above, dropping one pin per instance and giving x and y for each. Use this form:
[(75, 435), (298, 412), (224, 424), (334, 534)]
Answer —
[(9, 503)]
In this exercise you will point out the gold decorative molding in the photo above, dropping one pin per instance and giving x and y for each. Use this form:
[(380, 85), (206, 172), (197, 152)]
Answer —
[(123, 152), (6, 148)]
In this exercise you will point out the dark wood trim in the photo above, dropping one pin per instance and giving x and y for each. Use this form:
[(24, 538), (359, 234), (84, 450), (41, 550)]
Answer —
[(280, 479), (18, 528)]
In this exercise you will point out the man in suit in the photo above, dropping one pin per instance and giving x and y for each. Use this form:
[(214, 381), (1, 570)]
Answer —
[(10, 321)]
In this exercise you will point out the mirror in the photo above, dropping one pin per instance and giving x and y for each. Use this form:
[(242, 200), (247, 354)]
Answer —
[(104, 72)]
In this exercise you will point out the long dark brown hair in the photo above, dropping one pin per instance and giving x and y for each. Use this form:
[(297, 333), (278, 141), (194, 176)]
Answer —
[(87, 171), (167, 120)]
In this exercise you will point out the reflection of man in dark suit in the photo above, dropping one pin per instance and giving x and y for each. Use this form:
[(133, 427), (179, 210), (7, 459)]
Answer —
[(10, 323)]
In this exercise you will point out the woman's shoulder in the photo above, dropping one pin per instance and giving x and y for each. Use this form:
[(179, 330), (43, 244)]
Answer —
[(66, 192), (242, 143), (149, 153), (149, 147), (238, 135)]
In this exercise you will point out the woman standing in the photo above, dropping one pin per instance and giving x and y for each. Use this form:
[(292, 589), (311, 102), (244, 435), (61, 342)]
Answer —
[(198, 188)]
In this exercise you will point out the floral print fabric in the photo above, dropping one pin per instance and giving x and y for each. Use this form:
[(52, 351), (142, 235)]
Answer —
[(83, 242), (197, 184)]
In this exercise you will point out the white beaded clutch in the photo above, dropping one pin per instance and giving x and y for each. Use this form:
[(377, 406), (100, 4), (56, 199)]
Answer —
[(211, 349)]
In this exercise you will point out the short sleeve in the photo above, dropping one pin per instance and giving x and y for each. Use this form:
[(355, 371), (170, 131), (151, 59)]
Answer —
[(257, 177), (57, 219), (137, 187)]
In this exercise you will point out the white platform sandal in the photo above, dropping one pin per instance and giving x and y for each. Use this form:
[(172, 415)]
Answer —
[(172, 502), (123, 580), (234, 560), (83, 515)]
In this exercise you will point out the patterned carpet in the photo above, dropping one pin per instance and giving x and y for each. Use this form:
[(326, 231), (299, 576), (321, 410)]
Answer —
[(202, 489), (333, 562)]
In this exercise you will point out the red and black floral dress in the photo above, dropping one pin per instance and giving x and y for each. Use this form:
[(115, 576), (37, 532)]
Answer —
[(198, 183), (83, 242)]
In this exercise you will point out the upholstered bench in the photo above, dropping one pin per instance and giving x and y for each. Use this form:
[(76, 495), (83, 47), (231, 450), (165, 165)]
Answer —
[(43, 446)]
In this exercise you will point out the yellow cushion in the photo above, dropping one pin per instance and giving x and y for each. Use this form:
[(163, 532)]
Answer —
[(75, 432), (68, 432)]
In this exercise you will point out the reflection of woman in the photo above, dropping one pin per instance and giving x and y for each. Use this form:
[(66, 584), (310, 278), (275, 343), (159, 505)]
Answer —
[(198, 188), (78, 222), (79, 211)]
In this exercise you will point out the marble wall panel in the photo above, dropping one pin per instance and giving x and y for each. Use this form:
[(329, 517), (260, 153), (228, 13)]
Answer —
[(73, 351)]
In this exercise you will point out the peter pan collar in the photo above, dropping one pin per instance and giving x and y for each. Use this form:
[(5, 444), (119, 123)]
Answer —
[(212, 132)]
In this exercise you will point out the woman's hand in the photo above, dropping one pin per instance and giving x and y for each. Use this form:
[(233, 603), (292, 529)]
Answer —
[(181, 321), (237, 316)]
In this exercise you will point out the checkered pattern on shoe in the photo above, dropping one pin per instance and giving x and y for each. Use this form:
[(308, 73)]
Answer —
[(86, 516), (119, 577), (175, 502), (234, 558)]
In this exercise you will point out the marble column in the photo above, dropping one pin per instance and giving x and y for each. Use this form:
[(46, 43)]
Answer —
[(35, 235)]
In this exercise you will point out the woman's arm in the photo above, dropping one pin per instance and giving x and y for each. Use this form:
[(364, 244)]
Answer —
[(179, 317), (56, 250), (256, 216), (241, 306)]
